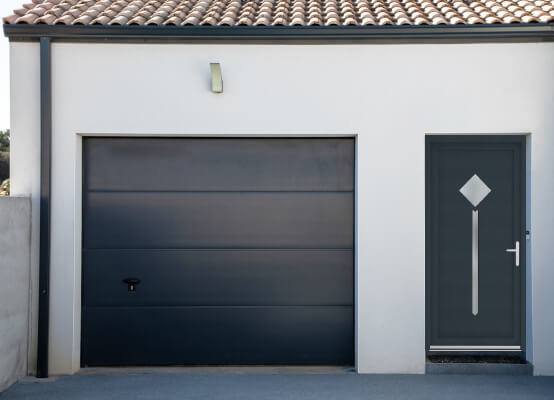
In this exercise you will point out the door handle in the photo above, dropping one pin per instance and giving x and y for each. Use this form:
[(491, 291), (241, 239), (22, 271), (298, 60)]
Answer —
[(516, 252)]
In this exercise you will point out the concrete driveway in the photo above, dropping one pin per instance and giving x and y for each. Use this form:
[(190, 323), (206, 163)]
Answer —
[(283, 386)]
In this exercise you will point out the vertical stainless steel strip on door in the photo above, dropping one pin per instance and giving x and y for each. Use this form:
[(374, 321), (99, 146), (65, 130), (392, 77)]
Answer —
[(475, 263), (475, 191)]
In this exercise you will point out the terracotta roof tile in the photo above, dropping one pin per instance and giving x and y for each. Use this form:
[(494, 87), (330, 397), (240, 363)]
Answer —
[(282, 12)]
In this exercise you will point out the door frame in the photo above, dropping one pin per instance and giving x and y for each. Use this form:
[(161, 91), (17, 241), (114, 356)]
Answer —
[(520, 140)]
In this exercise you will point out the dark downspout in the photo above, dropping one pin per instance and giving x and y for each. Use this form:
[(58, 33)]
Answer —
[(45, 207)]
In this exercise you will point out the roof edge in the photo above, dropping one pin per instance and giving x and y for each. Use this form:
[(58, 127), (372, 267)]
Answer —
[(512, 32)]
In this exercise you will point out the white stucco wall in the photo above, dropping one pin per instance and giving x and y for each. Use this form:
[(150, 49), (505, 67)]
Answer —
[(390, 96), (25, 159)]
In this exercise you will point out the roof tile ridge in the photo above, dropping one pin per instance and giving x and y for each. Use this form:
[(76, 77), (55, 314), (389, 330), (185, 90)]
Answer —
[(195, 12), (179, 13), (364, 13), (229, 13), (314, 13), (213, 13), (161, 13), (146, 12), (281, 11), (264, 16), (247, 12), (24, 15), (297, 12)]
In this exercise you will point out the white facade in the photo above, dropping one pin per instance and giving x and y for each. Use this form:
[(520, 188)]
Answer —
[(387, 96)]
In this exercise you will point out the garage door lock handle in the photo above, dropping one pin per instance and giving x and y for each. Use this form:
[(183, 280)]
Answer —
[(132, 283)]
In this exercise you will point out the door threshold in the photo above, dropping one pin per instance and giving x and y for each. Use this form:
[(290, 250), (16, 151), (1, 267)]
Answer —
[(476, 359), (477, 365), (231, 369), (474, 348)]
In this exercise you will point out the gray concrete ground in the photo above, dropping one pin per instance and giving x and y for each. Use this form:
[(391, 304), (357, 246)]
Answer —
[(320, 386)]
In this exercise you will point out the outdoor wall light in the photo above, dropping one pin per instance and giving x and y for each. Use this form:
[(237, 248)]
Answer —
[(217, 78)]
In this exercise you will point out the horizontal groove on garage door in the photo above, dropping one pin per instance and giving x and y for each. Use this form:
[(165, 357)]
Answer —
[(191, 220), (163, 336), (233, 277), (219, 164)]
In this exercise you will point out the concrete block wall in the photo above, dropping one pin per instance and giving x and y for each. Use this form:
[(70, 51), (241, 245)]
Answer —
[(15, 247)]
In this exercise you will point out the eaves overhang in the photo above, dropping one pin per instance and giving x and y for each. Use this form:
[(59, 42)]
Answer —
[(534, 32)]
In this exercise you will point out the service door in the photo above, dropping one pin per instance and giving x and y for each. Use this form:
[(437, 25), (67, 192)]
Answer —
[(218, 251), (476, 243)]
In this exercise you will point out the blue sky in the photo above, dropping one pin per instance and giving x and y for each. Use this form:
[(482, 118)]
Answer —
[(6, 7)]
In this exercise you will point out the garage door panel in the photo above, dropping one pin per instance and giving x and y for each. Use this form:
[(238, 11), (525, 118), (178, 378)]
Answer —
[(208, 277), (211, 336), (244, 249), (219, 220), (219, 164)]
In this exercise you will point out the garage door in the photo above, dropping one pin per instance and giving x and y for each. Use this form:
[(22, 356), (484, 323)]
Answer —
[(217, 251)]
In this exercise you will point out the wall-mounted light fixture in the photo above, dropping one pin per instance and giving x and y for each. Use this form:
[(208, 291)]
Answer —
[(217, 78)]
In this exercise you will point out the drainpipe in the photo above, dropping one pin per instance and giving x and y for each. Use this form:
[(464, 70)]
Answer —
[(45, 205)]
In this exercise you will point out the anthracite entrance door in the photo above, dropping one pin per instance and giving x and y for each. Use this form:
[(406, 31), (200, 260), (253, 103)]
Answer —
[(475, 243), (218, 251)]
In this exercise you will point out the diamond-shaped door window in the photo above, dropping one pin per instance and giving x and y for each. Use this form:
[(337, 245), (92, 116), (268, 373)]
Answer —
[(475, 190)]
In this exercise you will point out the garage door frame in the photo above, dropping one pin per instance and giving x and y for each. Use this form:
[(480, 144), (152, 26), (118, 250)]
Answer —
[(215, 137)]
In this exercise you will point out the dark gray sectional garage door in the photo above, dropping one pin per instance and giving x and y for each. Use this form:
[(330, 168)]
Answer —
[(243, 249)]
